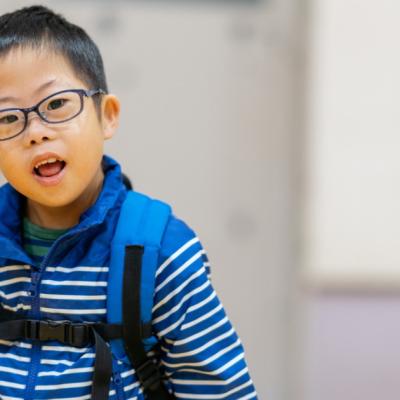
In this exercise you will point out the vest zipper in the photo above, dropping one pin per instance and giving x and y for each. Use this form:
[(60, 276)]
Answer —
[(119, 389), (36, 277), (33, 369)]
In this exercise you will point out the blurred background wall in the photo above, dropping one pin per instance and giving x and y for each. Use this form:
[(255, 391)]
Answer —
[(350, 201), (271, 126), (209, 93)]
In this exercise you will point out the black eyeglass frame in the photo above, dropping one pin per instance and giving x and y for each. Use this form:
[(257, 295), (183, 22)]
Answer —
[(35, 108)]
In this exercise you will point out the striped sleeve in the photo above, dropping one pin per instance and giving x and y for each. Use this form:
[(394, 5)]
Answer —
[(200, 351)]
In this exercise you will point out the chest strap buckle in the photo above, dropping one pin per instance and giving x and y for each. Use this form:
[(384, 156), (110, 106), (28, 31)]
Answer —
[(77, 335)]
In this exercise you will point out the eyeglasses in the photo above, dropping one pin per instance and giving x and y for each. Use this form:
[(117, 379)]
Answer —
[(54, 109)]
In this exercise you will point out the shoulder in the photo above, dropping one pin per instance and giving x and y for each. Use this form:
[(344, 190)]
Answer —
[(156, 215), (179, 238), (176, 240), (181, 253)]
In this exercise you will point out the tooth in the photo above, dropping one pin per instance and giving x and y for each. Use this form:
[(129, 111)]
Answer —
[(48, 161)]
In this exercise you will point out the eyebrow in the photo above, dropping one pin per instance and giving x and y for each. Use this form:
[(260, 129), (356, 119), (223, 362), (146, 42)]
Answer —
[(41, 87)]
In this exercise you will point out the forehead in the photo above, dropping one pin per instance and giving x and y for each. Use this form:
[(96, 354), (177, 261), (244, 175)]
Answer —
[(29, 74)]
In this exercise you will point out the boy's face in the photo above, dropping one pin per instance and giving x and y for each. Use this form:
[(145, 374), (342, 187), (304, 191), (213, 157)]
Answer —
[(26, 77)]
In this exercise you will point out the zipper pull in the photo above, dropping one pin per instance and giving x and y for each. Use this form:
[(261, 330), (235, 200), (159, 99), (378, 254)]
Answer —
[(35, 277)]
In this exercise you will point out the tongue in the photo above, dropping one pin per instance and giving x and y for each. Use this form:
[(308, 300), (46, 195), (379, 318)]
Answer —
[(50, 169)]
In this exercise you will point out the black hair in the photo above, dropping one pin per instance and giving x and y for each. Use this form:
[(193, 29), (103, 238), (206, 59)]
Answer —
[(38, 27)]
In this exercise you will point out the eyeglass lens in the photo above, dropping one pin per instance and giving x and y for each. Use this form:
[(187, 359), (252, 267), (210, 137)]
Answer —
[(55, 109)]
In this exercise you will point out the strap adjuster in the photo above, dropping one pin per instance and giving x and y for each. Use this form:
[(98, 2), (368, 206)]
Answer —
[(149, 375), (77, 335)]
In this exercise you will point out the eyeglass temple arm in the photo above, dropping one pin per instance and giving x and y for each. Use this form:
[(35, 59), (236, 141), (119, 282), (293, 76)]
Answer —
[(92, 92)]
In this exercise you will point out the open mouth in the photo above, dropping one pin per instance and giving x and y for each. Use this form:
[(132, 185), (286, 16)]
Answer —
[(49, 168)]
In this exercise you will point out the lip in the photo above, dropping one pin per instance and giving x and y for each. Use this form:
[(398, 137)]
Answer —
[(49, 180)]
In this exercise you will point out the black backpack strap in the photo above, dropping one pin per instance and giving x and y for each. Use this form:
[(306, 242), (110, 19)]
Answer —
[(127, 182), (102, 369), (147, 371)]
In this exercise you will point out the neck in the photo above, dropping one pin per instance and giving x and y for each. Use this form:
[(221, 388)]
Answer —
[(67, 216)]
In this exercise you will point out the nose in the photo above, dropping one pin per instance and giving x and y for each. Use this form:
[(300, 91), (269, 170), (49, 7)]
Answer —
[(37, 131)]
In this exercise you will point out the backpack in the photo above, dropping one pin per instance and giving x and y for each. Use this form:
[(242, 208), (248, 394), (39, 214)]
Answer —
[(134, 257)]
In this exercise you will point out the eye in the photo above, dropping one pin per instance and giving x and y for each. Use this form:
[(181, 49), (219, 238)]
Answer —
[(55, 104), (8, 119)]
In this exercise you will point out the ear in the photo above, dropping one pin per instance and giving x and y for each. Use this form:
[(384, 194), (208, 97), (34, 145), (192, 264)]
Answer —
[(110, 110)]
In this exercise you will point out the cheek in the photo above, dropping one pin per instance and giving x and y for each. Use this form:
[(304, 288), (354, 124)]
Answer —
[(85, 147), (11, 164), (84, 133), (19, 179)]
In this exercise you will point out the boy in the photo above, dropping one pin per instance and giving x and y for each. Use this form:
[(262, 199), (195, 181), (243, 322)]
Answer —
[(58, 216)]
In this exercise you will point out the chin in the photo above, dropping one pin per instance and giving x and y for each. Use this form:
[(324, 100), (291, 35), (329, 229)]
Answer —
[(53, 200)]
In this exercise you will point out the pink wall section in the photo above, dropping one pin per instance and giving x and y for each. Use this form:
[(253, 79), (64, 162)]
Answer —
[(352, 349)]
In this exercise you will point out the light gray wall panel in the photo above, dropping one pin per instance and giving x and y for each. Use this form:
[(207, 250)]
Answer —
[(208, 123)]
